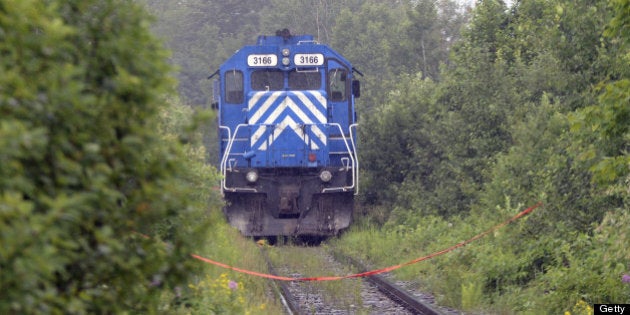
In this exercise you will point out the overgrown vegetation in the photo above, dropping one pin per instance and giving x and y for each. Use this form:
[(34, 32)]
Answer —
[(467, 115), (516, 118), (83, 171)]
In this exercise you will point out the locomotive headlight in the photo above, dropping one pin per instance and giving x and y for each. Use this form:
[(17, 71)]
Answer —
[(286, 61), (251, 176), (325, 176), (286, 52)]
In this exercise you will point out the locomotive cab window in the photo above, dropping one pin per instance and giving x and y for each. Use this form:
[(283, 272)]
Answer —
[(267, 80), (234, 87), (337, 86), (305, 80)]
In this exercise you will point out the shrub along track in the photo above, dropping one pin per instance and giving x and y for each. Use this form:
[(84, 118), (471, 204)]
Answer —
[(377, 295)]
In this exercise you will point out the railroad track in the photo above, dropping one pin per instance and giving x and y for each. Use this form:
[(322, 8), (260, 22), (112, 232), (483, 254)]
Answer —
[(378, 295), (282, 289), (393, 291)]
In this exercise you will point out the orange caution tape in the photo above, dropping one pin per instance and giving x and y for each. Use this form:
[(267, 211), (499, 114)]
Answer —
[(249, 272), (378, 271)]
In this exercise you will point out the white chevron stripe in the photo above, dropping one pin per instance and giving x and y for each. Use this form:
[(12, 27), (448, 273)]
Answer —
[(312, 107), (288, 103), (281, 127), (294, 107), (254, 100), (288, 122), (263, 146), (263, 109), (319, 134), (321, 100), (257, 134)]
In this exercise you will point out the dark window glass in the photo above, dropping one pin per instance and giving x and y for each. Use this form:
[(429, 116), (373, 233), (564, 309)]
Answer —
[(337, 84), (267, 80), (305, 80), (234, 87)]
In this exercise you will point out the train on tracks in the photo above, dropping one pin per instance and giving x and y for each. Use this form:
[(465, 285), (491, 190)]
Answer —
[(287, 137)]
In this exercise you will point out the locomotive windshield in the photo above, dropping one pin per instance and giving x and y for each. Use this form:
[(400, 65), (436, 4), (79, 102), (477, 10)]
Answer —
[(234, 87), (267, 80), (273, 80), (302, 80), (337, 82)]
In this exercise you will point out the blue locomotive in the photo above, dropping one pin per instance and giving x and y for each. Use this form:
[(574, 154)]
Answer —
[(287, 132)]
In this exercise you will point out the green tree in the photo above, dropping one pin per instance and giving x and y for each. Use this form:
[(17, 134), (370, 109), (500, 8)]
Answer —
[(475, 95), (368, 37), (397, 147), (603, 128), (430, 29), (82, 169), (305, 17), (202, 34)]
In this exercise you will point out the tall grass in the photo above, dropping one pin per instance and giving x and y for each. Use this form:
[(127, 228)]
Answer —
[(216, 290), (501, 273), (213, 290)]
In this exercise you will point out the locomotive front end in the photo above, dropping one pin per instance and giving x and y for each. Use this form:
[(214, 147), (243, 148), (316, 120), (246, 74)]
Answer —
[(288, 138)]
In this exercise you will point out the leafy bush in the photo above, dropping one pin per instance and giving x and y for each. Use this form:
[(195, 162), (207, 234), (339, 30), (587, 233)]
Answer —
[(510, 270), (82, 169), (217, 290)]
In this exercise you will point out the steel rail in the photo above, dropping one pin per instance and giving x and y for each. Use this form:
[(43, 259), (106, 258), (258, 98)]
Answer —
[(391, 290), (396, 293), (287, 298)]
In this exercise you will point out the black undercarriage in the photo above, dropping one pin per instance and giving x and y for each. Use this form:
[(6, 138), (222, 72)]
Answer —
[(289, 202)]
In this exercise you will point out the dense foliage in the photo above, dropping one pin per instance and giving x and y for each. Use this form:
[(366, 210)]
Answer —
[(533, 106), (466, 116), (99, 206)]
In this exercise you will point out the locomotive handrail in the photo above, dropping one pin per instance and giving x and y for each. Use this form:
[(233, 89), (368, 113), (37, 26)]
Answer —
[(229, 131), (308, 69), (229, 136), (354, 150), (226, 154), (345, 141)]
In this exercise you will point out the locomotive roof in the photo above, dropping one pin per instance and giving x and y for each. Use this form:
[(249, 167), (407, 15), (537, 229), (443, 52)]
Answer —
[(284, 40), (274, 44)]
